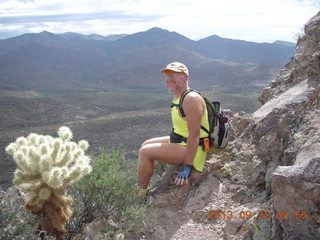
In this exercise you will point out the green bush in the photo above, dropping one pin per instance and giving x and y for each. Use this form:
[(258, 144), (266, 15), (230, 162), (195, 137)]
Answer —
[(15, 222), (109, 191)]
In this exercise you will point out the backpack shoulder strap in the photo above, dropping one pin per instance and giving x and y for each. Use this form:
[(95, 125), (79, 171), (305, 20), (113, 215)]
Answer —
[(183, 95)]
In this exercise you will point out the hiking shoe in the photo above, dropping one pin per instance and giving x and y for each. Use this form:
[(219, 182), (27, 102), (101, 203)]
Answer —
[(143, 192)]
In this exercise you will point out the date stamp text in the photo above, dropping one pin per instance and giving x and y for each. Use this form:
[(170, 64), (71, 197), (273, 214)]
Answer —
[(260, 214)]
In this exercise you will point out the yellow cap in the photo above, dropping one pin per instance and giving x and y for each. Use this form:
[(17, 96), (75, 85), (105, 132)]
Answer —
[(176, 67)]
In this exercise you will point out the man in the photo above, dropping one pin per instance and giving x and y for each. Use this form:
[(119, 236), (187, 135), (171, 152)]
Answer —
[(182, 146)]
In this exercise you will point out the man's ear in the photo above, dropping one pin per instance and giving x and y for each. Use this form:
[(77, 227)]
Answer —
[(185, 78)]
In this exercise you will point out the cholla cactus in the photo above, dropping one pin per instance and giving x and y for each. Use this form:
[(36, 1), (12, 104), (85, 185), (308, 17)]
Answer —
[(46, 166)]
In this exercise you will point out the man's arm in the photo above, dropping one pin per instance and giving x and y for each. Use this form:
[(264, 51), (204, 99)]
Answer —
[(193, 108)]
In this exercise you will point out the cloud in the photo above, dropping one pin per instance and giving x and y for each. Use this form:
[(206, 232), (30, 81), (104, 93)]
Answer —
[(76, 17), (252, 20), (247, 19)]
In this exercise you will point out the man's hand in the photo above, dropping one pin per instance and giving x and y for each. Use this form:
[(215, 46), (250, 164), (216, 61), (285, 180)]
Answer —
[(183, 175)]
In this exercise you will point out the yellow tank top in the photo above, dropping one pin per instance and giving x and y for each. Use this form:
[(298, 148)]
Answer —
[(180, 127), (180, 124)]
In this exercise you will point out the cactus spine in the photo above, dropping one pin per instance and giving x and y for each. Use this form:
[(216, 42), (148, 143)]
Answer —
[(45, 167)]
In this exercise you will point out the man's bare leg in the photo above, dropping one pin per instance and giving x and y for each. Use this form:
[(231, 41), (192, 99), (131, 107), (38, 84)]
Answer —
[(160, 150)]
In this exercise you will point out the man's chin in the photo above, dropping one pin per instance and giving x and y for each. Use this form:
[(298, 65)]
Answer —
[(171, 90)]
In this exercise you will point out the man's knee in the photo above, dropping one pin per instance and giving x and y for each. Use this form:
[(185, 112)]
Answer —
[(143, 152), (145, 142), (147, 153)]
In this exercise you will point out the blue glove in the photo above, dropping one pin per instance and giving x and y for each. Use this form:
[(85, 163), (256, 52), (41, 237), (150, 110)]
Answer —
[(185, 173)]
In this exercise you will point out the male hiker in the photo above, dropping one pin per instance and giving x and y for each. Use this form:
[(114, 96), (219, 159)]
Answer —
[(182, 147)]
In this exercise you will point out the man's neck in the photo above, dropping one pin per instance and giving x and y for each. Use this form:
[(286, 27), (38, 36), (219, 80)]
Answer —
[(179, 92)]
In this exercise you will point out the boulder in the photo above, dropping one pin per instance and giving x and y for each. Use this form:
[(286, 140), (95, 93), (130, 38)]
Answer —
[(296, 197)]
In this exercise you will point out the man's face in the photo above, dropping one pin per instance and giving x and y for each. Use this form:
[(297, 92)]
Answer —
[(175, 81)]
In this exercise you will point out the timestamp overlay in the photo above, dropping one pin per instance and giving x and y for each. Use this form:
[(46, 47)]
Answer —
[(259, 214)]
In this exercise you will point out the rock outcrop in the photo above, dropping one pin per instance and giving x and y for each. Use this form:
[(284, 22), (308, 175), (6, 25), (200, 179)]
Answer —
[(283, 138), (293, 143)]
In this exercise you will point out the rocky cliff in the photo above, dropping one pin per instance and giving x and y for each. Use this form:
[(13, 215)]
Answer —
[(282, 140)]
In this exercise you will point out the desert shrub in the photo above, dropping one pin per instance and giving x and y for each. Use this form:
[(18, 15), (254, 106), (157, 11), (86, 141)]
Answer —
[(109, 192), (15, 222)]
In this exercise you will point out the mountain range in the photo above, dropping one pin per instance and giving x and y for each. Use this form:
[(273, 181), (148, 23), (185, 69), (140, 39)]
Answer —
[(48, 62)]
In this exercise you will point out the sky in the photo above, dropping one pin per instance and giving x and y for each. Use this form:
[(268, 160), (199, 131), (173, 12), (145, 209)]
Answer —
[(250, 20)]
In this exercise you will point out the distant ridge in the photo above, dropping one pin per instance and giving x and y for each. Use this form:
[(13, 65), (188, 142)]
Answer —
[(285, 43), (55, 62), (240, 50)]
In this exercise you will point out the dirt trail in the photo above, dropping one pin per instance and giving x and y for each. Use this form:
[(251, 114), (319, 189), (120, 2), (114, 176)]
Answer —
[(204, 210)]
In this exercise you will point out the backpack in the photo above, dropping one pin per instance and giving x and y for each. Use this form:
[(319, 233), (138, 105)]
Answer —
[(219, 127)]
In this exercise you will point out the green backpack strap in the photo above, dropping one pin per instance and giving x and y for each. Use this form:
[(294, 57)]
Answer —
[(183, 95)]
